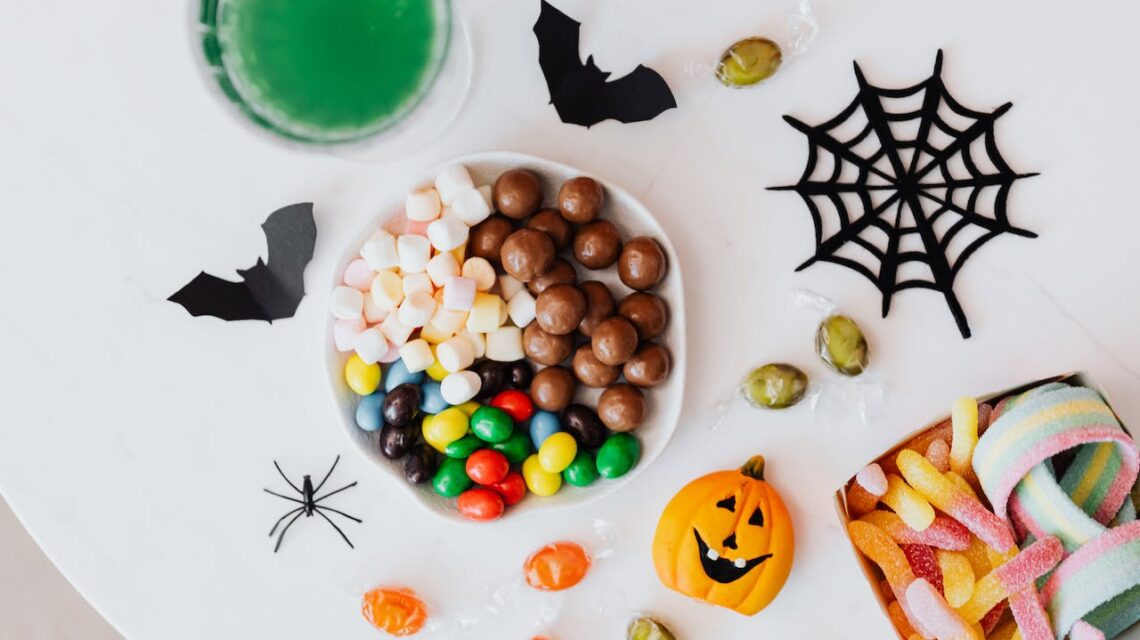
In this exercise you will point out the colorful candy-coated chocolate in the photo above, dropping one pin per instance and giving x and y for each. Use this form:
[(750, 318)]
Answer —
[(542, 425), (398, 374), (463, 447), (924, 563), (957, 577), (491, 424), (556, 566), (432, 400), (512, 488), (516, 448), (436, 371), (451, 479), (859, 500), (487, 467), (909, 504), (583, 471), (964, 421), (394, 610), (557, 452), (468, 408), (444, 428), (935, 618), (368, 415), (938, 453), (362, 378), (617, 455), (516, 403), (872, 478), (943, 533), (538, 480), (480, 504), (1033, 562)]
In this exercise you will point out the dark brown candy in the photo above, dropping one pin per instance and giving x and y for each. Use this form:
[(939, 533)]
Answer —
[(395, 442), (550, 222), (520, 374), (546, 348), (420, 466), (527, 254), (517, 193), (487, 237), (560, 308), (642, 263), (647, 312), (401, 405), (622, 407), (614, 341), (580, 199), (599, 306), (552, 388), (492, 376), (583, 425), (593, 372), (649, 366), (597, 245), (560, 272)]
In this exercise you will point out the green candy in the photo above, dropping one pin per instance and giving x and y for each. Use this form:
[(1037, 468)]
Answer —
[(451, 478), (618, 455), (492, 424), (748, 62), (841, 344), (516, 448), (463, 447), (775, 386), (581, 471), (648, 629)]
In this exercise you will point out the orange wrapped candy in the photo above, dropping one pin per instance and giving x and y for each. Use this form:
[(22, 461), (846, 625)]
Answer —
[(394, 610), (556, 566)]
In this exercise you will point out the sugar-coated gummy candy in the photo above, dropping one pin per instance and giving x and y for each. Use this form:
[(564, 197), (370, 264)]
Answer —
[(557, 452), (451, 182), (505, 344), (1018, 573), (414, 252), (459, 295), (486, 467), (935, 617), (557, 566), (346, 303), (363, 378), (512, 488), (943, 533), (542, 425), (517, 404), (872, 478), (398, 374), (582, 471), (387, 290), (924, 563), (345, 332), (395, 331), (371, 345), (447, 233), (957, 577), (516, 448), (909, 504), (463, 447), (445, 427), (874, 543), (480, 504), (455, 354), (379, 251), (648, 629), (774, 386), (368, 416), (859, 500), (960, 482), (938, 453), (617, 455), (394, 610), (899, 619), (1085, 631), (432, 399), (459, 387), (491, 424), (840, 343), (422, 205), (451, 478), (964, 421), (539, 481)]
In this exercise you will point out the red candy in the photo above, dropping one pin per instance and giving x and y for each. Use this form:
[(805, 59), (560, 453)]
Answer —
[(487, 467), (481, 505), (516, 403), (512, 488), (924, 563)]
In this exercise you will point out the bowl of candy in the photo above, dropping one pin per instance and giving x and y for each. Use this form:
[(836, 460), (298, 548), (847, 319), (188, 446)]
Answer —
[(507, 335), (1013, 517)]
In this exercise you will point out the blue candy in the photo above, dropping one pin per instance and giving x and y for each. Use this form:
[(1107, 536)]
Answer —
[(368, 412), (397, 375), (542, 425), (433, 401)]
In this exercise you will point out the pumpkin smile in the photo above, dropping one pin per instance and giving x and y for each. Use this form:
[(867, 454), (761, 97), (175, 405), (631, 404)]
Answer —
[(723, 570)]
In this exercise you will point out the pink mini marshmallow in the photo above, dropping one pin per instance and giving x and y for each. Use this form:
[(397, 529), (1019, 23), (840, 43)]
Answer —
[(345, 332), (392, 355), (459, 293), (416, 227), (358, 275)]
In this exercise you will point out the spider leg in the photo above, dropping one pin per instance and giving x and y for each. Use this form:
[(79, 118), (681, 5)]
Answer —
[(327, 475), (337, 529), (286, 477), (338, 512), (332, 493), (289, 498), (282, 534), (281, 519)]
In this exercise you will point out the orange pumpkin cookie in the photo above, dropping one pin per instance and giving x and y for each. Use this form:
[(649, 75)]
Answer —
[(726, 538)]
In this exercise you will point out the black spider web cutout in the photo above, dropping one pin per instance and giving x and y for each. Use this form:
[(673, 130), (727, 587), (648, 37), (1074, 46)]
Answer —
[(901, 204)]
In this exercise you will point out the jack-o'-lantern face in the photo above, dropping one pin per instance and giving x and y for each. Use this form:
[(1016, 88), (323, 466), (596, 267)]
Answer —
[(727, 539)]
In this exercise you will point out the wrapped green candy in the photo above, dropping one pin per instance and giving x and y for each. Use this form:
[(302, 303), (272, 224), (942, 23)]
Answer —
[(748, 62), (841, 344), (774, 386), (648, 629)]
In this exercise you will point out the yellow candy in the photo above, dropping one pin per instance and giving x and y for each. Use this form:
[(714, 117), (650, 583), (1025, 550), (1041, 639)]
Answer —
[(557, 452), (957, 577), (960, 482), (469, 407), (484, 314), (436, 371), (909, 504), (460, 252), (445, 427), (964, 418), (429, 435), (538, 480), (977, 554), (433, 334), (362, 378), (1006, 631)]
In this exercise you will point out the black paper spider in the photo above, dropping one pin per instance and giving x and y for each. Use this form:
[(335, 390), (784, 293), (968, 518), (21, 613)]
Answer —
[(904, 197), (310, 504)]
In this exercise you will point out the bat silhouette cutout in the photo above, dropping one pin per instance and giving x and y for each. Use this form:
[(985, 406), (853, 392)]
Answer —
[(582, 93), (269, 290)]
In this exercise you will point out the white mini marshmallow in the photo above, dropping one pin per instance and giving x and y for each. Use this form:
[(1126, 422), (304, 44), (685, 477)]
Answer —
[(486, 191), (371, 345), (397, 332), (422, 205), (417, 282), (455, 354), (373, 313), (442, 267), (416, 309), (481, 271), (379, 251), (508, 287), (346, 303), (451, 182), (416, 355), (521, 309), (387, 290), (447, 233), (345, 332), (459, 387), (415, 251), (504, 312), (505, 344), (470, 207), (478, 344), (458, 293), (447, 320)]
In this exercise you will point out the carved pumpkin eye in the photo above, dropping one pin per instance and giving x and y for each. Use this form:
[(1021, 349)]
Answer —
[(728, 503), (757, 518)]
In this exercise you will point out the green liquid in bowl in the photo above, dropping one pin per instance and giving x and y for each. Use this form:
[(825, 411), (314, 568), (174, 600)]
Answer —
[(325, 70)]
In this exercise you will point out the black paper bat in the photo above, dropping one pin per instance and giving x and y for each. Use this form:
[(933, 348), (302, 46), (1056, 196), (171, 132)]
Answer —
[(269, 290), (580, 92)]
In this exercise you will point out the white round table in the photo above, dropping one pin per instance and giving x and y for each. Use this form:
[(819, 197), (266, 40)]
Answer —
[(135, 440)]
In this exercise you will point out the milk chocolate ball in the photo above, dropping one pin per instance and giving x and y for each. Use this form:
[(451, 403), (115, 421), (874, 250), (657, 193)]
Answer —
[(550, 222), (560, 272), (552, 388), (647, 312), (622, 407), (614, 341), (517, 193), (580, 200), (546, 348), (527, 254), (486, 240), (560, 308), (597, 245), (642, 263), (648, 367), (593, 372), (599, 306)]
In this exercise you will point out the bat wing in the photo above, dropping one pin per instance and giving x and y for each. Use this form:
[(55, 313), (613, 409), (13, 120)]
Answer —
[(558, 55), (640, 95), (208, 295), (290, 234)]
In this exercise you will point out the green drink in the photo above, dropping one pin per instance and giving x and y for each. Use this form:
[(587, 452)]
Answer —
[(325, 71)]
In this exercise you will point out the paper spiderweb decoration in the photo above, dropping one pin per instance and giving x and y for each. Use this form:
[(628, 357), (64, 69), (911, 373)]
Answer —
[(904, 185)]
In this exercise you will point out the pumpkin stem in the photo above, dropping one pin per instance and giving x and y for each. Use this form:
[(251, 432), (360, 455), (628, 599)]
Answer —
[(754, 468)]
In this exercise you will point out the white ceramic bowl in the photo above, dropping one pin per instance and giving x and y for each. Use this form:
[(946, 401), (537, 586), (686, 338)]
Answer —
[(633, 219)]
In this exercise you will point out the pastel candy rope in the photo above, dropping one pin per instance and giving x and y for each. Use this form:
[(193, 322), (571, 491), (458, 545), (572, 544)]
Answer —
[(1013, 576), (943, 532), (1106, 567), (1085, 631)]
